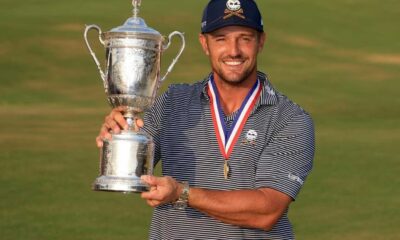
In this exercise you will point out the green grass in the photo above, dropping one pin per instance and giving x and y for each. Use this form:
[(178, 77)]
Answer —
[(340, 60)]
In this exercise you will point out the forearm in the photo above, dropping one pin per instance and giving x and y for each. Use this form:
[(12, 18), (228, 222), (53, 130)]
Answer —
[(246, 208), (258, 208)]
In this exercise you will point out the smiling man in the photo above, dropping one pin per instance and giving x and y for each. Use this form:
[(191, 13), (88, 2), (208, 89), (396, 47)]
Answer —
[(235, 151)]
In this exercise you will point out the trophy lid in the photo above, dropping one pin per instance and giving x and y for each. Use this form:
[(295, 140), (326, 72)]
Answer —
[(135, 25)]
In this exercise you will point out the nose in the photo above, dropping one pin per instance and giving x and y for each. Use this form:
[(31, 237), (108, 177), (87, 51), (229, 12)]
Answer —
[(234, 48)]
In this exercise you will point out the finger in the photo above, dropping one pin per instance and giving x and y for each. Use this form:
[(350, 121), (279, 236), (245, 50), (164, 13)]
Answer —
[(150, 180), (147, 195), (105, 132), (151, 195), (111, 124), (120, 109), (139, 122), (137, 127), (99, 142), (116, 117), (153, 203), (121, 121)]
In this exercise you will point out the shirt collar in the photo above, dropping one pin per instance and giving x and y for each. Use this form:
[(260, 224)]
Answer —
[(268, 93)]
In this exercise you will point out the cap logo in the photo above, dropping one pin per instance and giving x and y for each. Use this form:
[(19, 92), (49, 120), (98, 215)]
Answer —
[(234, 8)]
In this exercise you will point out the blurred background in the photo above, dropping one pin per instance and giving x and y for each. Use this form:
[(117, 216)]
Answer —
[(340, 60)]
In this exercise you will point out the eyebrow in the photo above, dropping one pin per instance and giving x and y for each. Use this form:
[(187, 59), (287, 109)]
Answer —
[(216, 35)]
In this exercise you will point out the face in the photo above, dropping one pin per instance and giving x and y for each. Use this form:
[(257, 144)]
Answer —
[(233, 52)]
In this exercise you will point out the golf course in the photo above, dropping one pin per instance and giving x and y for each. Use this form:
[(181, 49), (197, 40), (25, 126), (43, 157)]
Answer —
[(339, 60)]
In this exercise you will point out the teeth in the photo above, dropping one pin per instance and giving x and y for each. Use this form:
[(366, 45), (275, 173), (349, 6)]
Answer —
[(233, 63)]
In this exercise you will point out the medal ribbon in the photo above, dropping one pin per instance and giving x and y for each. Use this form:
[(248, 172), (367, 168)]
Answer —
[(228, 137)]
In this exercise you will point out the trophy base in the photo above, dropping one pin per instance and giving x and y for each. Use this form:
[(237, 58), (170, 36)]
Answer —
[(123, 160), (118, 184)]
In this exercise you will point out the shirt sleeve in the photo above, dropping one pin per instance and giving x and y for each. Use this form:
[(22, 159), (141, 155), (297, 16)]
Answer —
[(288, 157)]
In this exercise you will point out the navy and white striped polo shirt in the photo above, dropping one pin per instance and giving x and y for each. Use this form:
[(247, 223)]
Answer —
[(280, 157)]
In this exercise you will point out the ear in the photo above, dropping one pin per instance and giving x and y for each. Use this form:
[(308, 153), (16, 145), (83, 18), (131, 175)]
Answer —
[(261, 41), (203, 42)]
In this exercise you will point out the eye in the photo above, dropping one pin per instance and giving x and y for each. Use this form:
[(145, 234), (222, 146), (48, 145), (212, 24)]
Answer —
[(246, 39), (249, 37)]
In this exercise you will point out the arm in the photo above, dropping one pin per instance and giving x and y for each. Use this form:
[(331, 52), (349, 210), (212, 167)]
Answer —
[(259, 208)]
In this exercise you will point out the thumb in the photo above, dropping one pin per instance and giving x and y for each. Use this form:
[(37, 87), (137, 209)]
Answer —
[(151, 180)]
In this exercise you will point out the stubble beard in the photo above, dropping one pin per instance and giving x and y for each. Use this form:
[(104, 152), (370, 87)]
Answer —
[(234, 79)]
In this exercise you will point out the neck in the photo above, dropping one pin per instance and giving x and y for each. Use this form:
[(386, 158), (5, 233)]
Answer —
[(233, 95)]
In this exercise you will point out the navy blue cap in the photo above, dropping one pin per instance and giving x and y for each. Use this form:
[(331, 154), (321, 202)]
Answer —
[(223, 13)]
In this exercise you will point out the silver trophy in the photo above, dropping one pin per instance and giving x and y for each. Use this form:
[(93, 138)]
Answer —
[(131, 79)]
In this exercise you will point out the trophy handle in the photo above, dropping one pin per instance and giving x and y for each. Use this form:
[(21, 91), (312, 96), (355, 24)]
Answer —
[(93, 26), (179, 53)]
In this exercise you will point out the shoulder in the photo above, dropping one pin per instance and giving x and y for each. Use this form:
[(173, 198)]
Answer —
[(287, 107), (286, 112), (179, 95), (282, 106), (182, 93), (282, 109), (184, 88)]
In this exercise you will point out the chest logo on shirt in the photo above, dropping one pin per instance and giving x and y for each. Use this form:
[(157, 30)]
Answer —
[(251, 137)]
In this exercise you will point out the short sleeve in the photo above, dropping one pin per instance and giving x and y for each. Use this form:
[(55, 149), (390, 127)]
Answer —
[(288, 157)]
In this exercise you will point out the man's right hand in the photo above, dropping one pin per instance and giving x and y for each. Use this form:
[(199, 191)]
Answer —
[(114, 123)]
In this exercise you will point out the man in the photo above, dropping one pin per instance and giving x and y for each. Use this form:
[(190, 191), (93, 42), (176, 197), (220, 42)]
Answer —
[(235, 151)]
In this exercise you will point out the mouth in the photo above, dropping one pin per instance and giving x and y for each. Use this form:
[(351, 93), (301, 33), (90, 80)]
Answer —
[(233, 63)]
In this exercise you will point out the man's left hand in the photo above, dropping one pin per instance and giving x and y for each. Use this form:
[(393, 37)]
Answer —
[(162, 190)]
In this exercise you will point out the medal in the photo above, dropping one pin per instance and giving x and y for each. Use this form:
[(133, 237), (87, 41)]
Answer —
[(228, 137), (226, 169)]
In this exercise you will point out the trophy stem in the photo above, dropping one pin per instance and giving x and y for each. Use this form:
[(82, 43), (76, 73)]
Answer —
[(130, 118)]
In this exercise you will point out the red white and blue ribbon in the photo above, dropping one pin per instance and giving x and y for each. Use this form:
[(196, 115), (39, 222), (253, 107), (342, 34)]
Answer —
[(227, 138)]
